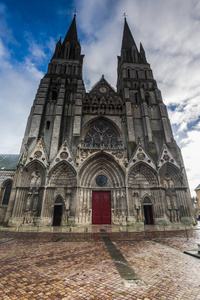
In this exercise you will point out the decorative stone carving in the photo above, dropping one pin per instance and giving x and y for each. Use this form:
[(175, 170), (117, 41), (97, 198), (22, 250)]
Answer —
[(118, 154), (38, 154), (64, 155), (141, 156), (166, 157), (84, 154), (35, 179)]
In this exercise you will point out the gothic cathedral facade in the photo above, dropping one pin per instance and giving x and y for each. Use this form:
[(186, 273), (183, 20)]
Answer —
[(101, 157)]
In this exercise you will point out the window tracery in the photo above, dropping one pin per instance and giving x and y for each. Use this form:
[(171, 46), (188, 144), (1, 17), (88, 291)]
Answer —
[(101, 134)]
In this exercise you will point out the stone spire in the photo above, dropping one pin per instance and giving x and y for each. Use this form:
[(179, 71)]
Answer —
[(70, 48), (129, 51), (142, 54)]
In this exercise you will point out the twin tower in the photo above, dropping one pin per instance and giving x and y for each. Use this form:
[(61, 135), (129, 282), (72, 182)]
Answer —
[(100, 157)]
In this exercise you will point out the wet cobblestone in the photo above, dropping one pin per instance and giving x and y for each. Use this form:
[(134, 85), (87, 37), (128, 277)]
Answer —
[(80, 267)]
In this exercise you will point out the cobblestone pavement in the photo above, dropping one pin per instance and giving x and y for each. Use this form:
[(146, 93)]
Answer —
[(80, 267)]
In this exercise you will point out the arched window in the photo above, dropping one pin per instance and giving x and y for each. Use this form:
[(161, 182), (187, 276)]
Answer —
[(128, 73), (101, 133), (47, 125), (7, 193), (148, 99), (54, 95)]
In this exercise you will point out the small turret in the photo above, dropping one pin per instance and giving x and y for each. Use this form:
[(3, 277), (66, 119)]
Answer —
[(142, 54), (57, 49), (70, 48)]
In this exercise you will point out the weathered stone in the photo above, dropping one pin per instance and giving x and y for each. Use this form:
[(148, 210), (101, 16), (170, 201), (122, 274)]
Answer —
[(102, 156)]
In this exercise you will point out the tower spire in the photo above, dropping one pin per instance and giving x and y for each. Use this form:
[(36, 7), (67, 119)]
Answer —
[(142, 54), (70, 48), (71, 35), (127, 41)]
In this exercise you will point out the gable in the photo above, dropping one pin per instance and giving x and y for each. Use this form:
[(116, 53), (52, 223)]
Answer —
[(102, 87)]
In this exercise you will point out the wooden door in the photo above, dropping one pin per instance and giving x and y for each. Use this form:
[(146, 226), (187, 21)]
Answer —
[(101, 207)]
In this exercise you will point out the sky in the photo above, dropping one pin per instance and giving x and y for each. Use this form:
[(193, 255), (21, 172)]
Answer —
[(170, 34)]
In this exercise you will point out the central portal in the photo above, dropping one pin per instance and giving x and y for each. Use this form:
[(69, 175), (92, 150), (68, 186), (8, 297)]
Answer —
[(101, 207)]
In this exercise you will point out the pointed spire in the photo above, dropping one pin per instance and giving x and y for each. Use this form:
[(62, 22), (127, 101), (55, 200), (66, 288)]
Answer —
[(142, 53), (128, 44), (70, 48), (57, 49), (72, 33), (127, 40)]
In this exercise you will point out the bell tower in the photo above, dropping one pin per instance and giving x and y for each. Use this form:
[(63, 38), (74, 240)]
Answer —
[(56, 112), (146, 115)]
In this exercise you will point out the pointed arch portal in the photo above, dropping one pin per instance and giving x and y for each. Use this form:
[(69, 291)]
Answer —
[(148, 211), (58, 211), (102, 181)]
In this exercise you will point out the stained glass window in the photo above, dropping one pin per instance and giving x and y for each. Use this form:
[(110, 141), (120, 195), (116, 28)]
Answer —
[(101, 180), (101, 133)]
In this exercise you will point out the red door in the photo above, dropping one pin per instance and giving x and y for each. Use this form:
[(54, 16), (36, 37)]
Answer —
[(101, 208)]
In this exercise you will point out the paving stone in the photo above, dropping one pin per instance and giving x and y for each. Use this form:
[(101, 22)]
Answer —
[(80, 269)]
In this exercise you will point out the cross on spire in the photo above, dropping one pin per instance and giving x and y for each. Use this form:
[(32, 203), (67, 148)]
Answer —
[(75, 11), (124, 15)]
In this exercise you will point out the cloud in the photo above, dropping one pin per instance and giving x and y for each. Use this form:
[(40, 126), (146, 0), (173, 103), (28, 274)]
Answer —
[(190, 153), (169, 32), (18, 85)]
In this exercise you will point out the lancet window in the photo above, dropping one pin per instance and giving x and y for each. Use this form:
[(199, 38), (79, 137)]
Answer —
[(7, 193), (101, 135)]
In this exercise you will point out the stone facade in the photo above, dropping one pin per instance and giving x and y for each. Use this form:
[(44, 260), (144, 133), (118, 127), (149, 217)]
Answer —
[(102, 156), (197, 190)]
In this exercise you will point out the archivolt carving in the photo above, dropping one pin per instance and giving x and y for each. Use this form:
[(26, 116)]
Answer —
[(63, 175), (142, 174), (104, 165), (170, 176), (33, 175), (33, 178)]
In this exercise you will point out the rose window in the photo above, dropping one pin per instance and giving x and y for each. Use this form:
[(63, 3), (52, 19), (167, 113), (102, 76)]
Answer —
[(101, 134)]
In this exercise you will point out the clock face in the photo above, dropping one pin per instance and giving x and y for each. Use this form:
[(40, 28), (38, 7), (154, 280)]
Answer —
[(103, 89)]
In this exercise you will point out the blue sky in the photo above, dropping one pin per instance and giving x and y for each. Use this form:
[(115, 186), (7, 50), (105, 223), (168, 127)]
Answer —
[(168, 30)]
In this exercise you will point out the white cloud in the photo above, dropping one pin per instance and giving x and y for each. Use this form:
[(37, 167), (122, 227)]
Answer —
[(18, 85), (191, 157), (169, 32)]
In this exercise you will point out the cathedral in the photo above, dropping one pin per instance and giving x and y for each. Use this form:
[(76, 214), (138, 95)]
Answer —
[(100, 157)]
